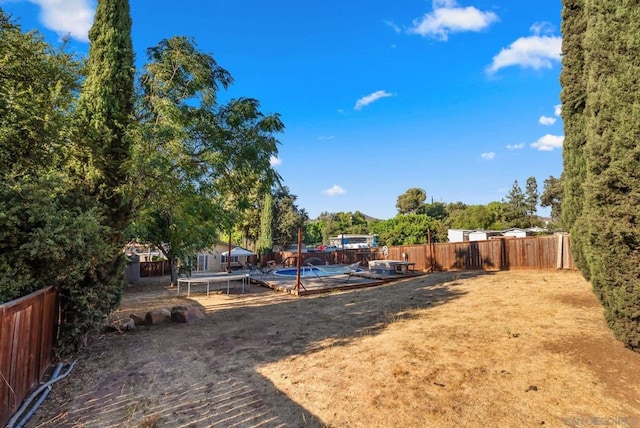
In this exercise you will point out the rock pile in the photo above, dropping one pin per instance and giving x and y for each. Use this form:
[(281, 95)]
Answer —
[(180, 314)]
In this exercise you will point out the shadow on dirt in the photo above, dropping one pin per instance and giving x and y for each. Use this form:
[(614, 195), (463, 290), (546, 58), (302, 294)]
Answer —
[(205, 374)]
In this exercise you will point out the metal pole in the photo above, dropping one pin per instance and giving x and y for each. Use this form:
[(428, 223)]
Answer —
[(429, 245), (433, 255), (299, 261), (229, 255)]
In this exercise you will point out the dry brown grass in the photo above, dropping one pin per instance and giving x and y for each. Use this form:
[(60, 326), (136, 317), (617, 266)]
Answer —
[(467, 349)]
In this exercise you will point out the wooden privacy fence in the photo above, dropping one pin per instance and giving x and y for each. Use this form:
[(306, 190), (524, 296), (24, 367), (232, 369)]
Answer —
[(537, 252), (28, 328), (159, 268)]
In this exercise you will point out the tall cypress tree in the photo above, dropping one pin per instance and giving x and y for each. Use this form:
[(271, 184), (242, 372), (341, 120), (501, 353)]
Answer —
[(606, 226), (573, 97), (105, 107), (102, 149), (265, 240)]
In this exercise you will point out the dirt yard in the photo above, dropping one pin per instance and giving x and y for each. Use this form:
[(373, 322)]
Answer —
[(473, 349)]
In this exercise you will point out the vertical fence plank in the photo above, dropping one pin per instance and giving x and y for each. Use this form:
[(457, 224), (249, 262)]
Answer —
[(28, 328)]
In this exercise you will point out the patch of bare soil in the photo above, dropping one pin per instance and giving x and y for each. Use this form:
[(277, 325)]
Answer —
[(466, 349)]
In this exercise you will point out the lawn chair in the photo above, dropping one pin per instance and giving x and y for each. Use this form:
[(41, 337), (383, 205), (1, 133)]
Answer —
[(255, 269)]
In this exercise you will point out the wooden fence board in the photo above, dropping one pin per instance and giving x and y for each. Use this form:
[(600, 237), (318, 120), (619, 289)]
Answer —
[(28, 328), (159, 268)]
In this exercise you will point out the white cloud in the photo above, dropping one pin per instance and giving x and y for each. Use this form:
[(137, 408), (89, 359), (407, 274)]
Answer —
[(335, 190), (67, 17), (395, 27), (557, 110), (275, 161), (546, 120), (488, 155), (541, 28), (447, 17), (535, 52), (515, 146), (368, 99), (548, 142)]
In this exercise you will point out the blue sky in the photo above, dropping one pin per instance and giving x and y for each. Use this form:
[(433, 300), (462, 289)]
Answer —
[(459, 98)]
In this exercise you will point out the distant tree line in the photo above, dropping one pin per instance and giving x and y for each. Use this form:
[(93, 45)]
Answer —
[(418, 221)]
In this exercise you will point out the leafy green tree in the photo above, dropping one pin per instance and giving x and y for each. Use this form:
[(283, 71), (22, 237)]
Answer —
[(611, 155), (333, 224), (411, 200), (51, 231), (436, 210), (552, 196), (471, 217), (439, 231), (499, 212), (453, 209), (201, 165), (327, 225), (288, 218), (407, 229), (37, 217), (359, 223), (313, 233), (37, 86)]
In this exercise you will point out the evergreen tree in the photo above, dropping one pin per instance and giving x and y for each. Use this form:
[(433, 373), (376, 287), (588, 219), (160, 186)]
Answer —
[(516, 215), (531, 198), (265, 240), (101, 151), (601, 153), (573, 97), (612, 155), (105, 109), (411, 200)]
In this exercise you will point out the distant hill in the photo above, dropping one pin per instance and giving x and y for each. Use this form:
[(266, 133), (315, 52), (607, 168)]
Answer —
[(369, 218)]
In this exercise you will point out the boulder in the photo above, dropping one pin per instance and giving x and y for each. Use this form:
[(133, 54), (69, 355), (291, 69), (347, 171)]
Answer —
[(128, 324), (110, 328), (137, 320), (194, 314), (185, 314), (158, 316)]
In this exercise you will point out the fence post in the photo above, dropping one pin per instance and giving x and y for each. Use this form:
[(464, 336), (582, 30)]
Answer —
[(559, 255)]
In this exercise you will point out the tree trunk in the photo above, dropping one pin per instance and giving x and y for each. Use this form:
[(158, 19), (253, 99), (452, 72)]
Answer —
[(174, 272)]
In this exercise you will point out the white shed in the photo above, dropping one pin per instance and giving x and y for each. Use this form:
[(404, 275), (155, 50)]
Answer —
[(478, 235), (458, 235), (515, 233)]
